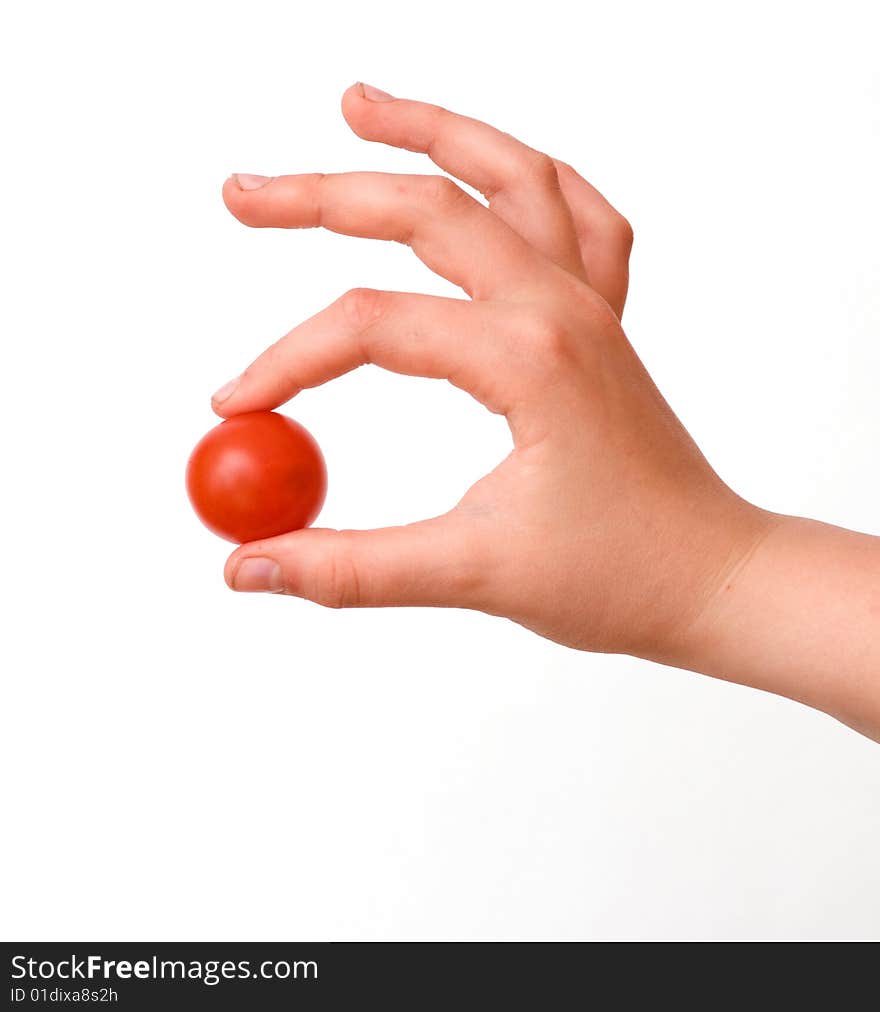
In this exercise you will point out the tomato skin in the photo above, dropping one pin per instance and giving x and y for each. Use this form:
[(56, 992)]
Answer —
[(255, 476)]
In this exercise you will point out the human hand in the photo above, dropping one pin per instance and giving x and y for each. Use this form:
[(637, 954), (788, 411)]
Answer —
[(605, 528)]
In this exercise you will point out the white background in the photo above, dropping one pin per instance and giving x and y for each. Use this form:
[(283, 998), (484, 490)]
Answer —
[(183, 763)]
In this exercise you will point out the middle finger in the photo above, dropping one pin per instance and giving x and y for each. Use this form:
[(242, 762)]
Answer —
[(455, 235)]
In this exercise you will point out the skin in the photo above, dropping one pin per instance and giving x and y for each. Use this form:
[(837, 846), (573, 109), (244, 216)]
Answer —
[(605, 528)]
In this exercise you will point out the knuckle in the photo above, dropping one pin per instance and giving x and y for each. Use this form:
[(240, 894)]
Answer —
[(442, 192), (546, 337), (541, 169), (473, 577), (440, 119), (549, 349), (362, 307), (623, 230), (590, 307), (336, 583)]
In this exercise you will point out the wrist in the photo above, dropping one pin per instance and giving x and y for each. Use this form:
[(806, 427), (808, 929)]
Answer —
[(795, 613), (720, 550)]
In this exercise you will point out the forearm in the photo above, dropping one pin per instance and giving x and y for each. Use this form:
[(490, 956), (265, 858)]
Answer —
[(799, 615)]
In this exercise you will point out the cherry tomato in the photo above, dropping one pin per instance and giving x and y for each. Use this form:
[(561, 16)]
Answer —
[(255, 476)]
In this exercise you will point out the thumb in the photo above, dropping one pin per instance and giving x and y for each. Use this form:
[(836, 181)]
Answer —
[(427, 564)]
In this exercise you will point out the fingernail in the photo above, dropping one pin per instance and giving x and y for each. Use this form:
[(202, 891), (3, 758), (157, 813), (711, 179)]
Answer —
[(258, 574), (374, 94), (226, 390), (246, 181)]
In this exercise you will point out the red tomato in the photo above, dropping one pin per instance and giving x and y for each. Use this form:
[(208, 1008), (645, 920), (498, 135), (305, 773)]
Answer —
[(256, 475)]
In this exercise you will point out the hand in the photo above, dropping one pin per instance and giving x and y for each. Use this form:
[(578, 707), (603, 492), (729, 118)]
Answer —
[(605, 528)]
